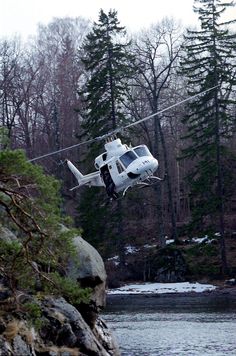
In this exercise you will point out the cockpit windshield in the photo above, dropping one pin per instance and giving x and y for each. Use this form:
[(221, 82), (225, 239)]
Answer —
[(128, 158), (142, 151)]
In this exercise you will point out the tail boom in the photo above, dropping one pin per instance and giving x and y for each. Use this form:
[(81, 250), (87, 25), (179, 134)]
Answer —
[(92, 179)]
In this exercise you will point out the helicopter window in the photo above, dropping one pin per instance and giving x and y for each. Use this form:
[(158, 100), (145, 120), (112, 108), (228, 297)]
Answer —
[(142, 151), (119, 167), (128, 158)]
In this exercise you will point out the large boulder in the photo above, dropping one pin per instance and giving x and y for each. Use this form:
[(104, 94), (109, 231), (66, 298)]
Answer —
[(89, 272)]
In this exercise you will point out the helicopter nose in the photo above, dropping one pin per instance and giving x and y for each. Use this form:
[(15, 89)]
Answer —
[(148, 165), (151, 165), (154, 164)]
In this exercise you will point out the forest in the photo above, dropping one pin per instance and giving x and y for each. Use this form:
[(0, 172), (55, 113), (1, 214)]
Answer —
[(76, 80)]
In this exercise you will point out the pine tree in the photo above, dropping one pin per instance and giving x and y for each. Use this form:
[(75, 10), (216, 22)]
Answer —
[(209, 62), (106, 59), (38, 256)]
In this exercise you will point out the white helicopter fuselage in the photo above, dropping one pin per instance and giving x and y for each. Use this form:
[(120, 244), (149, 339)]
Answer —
[(120, 167), (140, 169), (127, 166)]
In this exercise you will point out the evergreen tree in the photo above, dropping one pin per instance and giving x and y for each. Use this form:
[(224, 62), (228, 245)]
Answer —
[(209, 62), (37, 258), (106, 59)]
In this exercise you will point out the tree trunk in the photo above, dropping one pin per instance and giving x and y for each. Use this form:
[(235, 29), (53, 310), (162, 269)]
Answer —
[(169, 189), (158, 192), (220, 192), (120, 235)]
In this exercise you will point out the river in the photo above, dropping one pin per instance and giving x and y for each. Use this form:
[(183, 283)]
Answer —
[(172, 325)]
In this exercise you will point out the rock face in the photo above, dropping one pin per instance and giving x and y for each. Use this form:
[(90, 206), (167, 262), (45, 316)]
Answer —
[(64, 329), (68, 329), (90, 272)]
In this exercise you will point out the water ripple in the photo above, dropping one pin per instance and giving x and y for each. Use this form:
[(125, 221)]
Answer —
[(167, 333)]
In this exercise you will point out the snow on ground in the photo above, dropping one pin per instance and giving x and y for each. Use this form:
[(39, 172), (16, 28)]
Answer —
[(170, 241), (115, 260), (131, 249), (159, 288), (203, 240)]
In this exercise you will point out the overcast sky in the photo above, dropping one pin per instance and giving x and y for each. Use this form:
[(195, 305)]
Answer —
[(22, 16)]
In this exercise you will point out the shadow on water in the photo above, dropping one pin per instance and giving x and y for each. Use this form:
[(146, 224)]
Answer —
[(171, 303)]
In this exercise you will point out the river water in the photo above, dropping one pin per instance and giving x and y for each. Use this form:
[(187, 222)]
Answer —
[(173, 326)]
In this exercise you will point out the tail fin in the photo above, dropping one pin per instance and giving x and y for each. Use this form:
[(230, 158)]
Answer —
[(75, 171)]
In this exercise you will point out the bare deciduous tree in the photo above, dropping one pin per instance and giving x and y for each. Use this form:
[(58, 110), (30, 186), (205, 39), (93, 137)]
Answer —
[(156, 52)]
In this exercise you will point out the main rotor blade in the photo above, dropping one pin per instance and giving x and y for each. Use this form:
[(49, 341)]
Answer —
[(119, 129)]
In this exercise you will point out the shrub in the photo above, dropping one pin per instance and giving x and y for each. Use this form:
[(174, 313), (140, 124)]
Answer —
[(30, 206)]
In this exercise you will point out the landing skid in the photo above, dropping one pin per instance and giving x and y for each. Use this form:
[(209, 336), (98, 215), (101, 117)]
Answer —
[(156, 178), (150, 182), (71, 189), (146, 184)]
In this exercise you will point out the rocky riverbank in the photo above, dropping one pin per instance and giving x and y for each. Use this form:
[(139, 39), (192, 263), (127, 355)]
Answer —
[(49, 325)]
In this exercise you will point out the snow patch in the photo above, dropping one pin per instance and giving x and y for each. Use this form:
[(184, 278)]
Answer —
[(131, 249), (159, 288), (150, 246), (115, 260), (170, 241), (200, 240), (204, 239)]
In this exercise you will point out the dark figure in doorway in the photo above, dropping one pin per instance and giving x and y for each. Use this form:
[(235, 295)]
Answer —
[(110, 186)]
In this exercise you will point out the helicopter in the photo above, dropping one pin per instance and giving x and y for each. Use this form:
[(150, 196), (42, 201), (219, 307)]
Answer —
[(119, 168)]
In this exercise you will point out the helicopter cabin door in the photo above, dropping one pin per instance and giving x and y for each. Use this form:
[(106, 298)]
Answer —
[(108, 181)]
